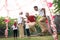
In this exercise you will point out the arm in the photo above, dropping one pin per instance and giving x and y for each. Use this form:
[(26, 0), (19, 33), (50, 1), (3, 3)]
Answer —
[(44, 12)]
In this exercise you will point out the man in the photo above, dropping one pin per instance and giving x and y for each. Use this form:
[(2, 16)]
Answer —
[(31, 22), (20, 25), (41, 12)]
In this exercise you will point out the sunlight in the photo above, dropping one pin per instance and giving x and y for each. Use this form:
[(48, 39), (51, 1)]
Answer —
[(13, 7)]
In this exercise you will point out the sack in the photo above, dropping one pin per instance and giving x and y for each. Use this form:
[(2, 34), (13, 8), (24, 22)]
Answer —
[(38, 18), (43, 19), (32, 29)]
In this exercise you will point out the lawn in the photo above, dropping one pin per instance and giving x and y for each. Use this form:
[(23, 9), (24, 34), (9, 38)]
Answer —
[(32, 38)]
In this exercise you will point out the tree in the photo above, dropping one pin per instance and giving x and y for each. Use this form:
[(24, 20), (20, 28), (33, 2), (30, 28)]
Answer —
[(57, 6)]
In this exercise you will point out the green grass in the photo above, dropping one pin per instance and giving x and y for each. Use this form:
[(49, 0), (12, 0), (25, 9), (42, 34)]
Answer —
[(33, 38)]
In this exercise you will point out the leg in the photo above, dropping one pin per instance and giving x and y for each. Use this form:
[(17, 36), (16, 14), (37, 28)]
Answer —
[(21, 31), (6, 33), (32, 26), (6, 30), (27, 31), (43, 25), (16, 32)]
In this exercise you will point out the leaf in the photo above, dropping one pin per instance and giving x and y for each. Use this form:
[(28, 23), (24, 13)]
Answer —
[(56, 4)]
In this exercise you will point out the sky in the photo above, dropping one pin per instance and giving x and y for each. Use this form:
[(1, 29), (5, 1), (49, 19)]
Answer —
[(12, 8)]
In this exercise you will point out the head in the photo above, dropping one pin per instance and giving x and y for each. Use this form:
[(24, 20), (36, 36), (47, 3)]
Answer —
[(15, 23), (6, 17), (15, 20), (36, 8), (27, 14), (20, 13)]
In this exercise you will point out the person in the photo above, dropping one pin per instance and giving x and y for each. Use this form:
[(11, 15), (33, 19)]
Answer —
[(31, 22), (27, 28), (6, 32), (20, 25), (6, 22), (15, 29), (42, 20)]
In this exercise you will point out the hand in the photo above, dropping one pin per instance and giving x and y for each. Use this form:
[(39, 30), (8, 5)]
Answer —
[(43, 9)]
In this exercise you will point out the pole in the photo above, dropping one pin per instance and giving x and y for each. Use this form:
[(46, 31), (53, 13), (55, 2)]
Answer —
[(53, 26)]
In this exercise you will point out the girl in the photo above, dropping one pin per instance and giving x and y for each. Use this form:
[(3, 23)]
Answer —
[(15, 29)]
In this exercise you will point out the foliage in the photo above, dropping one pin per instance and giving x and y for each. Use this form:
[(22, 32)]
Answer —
[(3, 25), (37, 19), (57, 6), (37, 23)]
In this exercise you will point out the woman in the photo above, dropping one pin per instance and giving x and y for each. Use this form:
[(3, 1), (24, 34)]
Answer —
[(15, 29)]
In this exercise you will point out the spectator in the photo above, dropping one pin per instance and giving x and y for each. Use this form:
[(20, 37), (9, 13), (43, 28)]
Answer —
[(15, 29), (27, 27), (6, 22), (20, 25)]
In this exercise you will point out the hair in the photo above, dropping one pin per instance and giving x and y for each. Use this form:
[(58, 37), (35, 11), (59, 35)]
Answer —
[(15, 24), (35, 6), (27, 13), (20, 13)]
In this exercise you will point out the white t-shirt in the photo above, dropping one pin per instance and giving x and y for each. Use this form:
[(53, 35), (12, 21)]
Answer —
[(41, 12), (19, 19), (14, 28), (27, 26)]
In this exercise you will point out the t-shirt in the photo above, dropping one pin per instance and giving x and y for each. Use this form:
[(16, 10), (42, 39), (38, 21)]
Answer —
[(27, 26), (14, 28), (41, 12), (19, 19), (7, 20), (31, 18)]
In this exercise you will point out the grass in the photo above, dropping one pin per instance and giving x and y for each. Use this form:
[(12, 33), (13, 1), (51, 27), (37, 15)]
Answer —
[(32, 38)]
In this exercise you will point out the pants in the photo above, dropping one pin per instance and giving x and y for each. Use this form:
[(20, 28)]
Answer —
[(15, 33), (21, 30), (27, 32), (6, 33), (42, 24), (32, 26)]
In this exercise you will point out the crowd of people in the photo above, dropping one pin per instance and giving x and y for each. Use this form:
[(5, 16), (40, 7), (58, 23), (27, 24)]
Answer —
[(30, 22)]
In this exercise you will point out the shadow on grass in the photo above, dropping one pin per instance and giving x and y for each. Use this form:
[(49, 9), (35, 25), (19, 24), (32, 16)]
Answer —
[(32, 38)]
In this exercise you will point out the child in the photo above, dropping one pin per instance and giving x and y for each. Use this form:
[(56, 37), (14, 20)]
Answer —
[(15, 29), (6, 32), (27, 28)]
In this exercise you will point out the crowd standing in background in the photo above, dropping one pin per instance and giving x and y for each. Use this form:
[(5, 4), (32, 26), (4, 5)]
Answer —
[(30, 23)]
